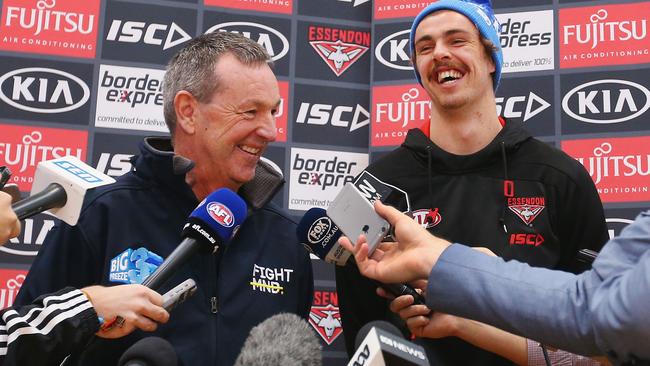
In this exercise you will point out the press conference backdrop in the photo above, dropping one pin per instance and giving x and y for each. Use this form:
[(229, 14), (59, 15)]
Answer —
[(84, 78)]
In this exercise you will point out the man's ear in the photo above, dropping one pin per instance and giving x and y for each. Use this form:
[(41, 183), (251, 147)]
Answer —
[(185, 106)]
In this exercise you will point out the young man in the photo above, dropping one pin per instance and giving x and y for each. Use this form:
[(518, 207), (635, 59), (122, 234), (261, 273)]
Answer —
[(473, 177), (220, 99)]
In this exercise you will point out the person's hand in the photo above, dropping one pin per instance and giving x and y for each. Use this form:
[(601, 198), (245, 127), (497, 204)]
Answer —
[(138, 306), (9, 224), (408, 259)]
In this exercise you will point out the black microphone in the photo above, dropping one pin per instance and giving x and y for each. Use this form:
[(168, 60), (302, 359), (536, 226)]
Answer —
[(283, 339), (381, 343), (212, 224), (150, 351), (60, 186), (320, 235)]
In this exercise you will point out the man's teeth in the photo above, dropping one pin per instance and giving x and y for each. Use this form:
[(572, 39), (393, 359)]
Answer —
[(250, 150), (448, 75)]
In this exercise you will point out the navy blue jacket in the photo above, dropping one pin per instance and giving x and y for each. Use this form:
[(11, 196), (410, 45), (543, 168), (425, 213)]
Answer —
[(263, 271)]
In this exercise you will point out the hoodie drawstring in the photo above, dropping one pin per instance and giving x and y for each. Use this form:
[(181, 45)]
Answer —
[(508, 187)]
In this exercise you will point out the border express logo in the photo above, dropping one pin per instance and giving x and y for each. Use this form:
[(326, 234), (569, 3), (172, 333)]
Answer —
[(325, 316), (270, 279), (526, 208), (133, 265), (339, 48)]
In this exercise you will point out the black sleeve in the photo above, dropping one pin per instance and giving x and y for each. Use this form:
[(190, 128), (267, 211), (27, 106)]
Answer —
[(45, 332), (581, 221), (65, 259), (358, 302)]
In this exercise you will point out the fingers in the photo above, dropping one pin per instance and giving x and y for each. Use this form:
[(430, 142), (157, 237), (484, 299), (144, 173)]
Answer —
[(9, 224), (485, 251), (388, 212), (400, 303)]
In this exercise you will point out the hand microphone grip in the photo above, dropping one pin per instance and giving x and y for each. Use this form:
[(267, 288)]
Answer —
[(399, 289), (52, 196), (179, 256)]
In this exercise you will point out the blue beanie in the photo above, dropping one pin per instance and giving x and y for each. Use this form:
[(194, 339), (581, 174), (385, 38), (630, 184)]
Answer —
[(480, 13)]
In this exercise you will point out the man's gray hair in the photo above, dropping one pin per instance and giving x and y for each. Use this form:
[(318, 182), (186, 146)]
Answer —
[(192, 68)]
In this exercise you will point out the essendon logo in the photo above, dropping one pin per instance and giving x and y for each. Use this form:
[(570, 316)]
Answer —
[(325, 317), (526, 239), (53, 27), (10, 282), (618, 166), (398, 8), (281, 118), (271, 6), (221, 214), (395, 110), (604, 35), (427, 218), (526, 208), (339, 48), (23, 147)]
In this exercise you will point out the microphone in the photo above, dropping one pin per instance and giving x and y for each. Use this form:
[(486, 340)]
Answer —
[(283, 339), (150, 351), (60, 186), (320, 236), (212, 224), (381, 343)]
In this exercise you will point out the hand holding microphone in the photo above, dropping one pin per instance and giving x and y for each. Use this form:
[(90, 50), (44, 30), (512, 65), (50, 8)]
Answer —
[(9, 224)]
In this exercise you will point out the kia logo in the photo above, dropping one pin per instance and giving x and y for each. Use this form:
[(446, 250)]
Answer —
[(620, 97), (394, 46), (31, 87), (275, 43)]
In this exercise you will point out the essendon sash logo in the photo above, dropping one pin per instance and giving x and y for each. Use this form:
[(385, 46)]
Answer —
[(339, 48), (399, 8), (618, 166), (395, 110), (427, 218), (526, 208), (270, 6), (281, 114), (53, 27), (10, 282), (23, 147), (604, 35), (324, 315)]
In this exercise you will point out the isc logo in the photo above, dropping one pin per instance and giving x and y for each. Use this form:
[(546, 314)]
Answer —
[(114, 166), (77, 171), (221, 214), (153, 34), (322, 114), (526, 239)]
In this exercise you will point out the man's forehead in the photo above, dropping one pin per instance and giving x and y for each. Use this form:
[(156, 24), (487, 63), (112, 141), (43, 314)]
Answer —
[(446, 20)]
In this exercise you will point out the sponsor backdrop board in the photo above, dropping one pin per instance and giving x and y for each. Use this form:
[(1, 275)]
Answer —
[(83, 78)]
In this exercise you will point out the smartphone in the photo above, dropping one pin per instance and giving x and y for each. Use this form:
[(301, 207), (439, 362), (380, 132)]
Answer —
[(178, 294), (355, 215)]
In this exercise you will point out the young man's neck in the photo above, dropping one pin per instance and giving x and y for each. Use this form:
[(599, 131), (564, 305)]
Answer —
[(464, 131)]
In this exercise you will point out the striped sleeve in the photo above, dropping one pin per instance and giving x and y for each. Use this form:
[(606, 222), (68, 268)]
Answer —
[(48, 330)]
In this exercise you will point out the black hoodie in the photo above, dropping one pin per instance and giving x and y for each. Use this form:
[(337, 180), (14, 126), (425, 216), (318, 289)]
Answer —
[(518, 196)]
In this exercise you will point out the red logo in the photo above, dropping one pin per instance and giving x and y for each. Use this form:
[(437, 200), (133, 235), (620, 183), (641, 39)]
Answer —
[(604, 35), (281, 115), (53, 27), (23, 147), (526, 239), (527, 208), (620, 167), (399, 8), (10, 282), (221, 214), (395, 110), (427, 218), (339, 48), (325, 317), (275, 6)]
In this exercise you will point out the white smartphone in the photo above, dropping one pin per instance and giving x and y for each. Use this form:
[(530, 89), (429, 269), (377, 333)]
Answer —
[(355, 215), (179, 294)]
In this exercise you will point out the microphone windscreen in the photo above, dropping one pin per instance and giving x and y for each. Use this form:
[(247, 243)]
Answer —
[(223, 211), (381, 324), (317, 232), (283, 339), (150, 351)]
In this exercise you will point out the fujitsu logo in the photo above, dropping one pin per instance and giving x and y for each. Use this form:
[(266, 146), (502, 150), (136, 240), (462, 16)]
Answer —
[(603, 165), (43, 18), (9, 292), (408, 109), (29, 153), (600, 30)]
